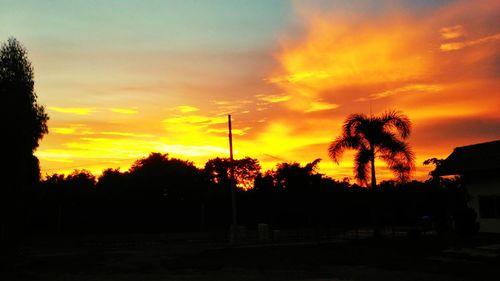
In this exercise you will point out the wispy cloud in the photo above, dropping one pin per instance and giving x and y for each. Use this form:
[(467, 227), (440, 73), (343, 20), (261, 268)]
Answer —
[(55, 155), (302, 76), (63, 131), (124, 110), (452, 32), (273, 98), (74, 110), (187, 108), (225, 106), (72, 129), (454, 46), (126, 134), (196, 119), (320, 106), (408, 89), (193, 150), (239, 132)]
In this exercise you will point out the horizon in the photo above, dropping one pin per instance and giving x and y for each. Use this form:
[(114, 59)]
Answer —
[(123, 79)]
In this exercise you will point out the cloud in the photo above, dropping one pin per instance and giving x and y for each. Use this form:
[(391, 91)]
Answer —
[(454, 46), (200, 120), (74, 110), (224, 107), (63, 131), (89, 110), (124, 110), (126, 134), (323, 66), (239, 132), (452, 32), (460, 130), (272, 98), (320, 106), (193, 150), (408, 89), (395, 60), (187, 108), (55, 155), (72, 129), (302, 76)]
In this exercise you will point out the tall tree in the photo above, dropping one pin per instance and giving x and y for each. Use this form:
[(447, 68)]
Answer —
[(376, 137), (24, 119), (24, 124)]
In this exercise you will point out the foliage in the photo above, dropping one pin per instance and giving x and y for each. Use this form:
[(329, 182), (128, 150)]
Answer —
[(24, 124), (159, 175), (25, 119), (81, 179), (437, 164), (218, 172), (376, 137), (292, 176), (159, 193)]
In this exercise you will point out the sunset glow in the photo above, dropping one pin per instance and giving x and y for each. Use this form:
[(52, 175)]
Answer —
[(163, 76)]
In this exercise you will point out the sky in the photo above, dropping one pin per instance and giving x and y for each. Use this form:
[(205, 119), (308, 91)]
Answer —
[(121, 79)]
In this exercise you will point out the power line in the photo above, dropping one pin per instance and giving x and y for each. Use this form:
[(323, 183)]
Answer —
[(275, 157)]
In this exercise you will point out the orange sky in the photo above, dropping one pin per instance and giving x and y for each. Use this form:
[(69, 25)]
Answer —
[(288, 93)]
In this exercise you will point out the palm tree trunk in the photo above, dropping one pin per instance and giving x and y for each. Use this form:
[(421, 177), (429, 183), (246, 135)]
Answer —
[(374, 180), (375, 209)]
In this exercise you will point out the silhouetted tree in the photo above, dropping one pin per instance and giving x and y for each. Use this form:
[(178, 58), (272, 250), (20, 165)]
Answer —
[(160, 193), (25, 121), (376, 136), (437, 163), (160, 176), (81, 179), (293, 176), (245, 171), (110, 178), (24, 124)]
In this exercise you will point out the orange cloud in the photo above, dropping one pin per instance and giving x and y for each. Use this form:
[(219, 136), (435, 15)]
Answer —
[(320, 106), (453, 46), (289, 109), (187, 108), (273, 98), (452, 32), (124, 110), (73, 110), (395, 61)]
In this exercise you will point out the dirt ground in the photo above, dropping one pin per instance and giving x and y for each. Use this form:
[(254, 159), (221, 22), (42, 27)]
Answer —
[(151, 258)]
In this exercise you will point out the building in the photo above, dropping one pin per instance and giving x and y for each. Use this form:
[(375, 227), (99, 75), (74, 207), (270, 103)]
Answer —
[(480, 166)]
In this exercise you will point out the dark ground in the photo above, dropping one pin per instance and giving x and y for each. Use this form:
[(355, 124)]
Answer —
[(192, 257)]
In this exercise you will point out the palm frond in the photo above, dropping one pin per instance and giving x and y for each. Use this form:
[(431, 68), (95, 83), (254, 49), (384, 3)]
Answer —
[(389, 142), (340, 144), (313, 166), (352, 124), (399, 157), (394, 119), (400, 168)]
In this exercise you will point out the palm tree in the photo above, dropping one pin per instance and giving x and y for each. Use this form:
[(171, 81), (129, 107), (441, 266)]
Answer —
[(376, 137)]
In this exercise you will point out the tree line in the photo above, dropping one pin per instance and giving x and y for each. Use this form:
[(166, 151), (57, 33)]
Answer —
[(160, 193)]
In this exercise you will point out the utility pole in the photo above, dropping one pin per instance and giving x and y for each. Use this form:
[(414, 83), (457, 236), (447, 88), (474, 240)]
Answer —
[(234, 222)]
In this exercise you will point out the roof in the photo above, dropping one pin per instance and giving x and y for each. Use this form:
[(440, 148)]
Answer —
[(476, 158)]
